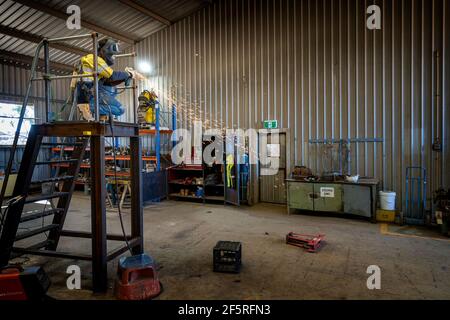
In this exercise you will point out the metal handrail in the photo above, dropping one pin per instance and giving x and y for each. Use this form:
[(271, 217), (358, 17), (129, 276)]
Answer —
[(72, 76), (125, 55), (44, 44), (126, 88), (68, 38)]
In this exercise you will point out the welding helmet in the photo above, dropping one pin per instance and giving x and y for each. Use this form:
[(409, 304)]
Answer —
[(107, 48)]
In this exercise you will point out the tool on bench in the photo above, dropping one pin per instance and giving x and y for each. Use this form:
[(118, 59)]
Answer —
[(308, 242)]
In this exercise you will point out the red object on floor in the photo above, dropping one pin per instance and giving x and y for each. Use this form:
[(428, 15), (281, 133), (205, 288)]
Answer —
[(10, 285), (18, 283), (308, 242), (137, 278)]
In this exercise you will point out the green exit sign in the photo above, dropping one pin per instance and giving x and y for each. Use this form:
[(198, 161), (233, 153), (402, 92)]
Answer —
[(271, 124)]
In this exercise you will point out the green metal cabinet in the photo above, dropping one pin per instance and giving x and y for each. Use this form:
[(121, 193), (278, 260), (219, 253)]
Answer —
[(328, 198), (360, 200), (300, 196), (357, 199)]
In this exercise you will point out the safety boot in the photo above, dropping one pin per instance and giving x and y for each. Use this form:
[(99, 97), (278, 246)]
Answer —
[(85, 112)]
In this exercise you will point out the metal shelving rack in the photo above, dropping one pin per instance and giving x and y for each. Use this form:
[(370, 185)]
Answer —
[(178, 174), (157, 133)]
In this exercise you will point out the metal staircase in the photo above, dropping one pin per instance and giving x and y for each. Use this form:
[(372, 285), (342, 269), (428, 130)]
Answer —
[(82, 133), (62, 187)]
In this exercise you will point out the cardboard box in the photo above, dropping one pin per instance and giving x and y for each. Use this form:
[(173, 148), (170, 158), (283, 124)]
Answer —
[(386, 215)]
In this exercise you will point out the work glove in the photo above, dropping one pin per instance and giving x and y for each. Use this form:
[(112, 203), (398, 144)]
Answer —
[(135, 75)]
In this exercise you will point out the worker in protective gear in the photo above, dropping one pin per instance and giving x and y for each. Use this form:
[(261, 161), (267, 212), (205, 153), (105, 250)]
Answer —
[(108, 80), (146, 111)]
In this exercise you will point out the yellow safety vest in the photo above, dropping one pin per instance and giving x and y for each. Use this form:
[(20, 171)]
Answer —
[(87, 67)]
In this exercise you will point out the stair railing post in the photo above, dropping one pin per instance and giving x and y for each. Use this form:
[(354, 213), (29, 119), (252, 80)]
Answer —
[(96, 74), (47, 82), (8, 168)]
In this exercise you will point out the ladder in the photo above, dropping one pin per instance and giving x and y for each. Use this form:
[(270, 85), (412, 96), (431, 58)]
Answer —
[(62, 189), (12, 215)]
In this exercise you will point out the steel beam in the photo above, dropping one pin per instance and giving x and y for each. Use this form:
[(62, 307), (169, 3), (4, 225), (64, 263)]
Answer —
[(39, 6), (88, 235), (23, 59), (53, 254), (36, 39), (146, 11)]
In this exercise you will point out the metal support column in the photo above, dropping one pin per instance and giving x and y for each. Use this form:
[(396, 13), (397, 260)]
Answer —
[(95, 50), (158, 137), (47, 82), (137, 223), (98, 215), (135, 102)]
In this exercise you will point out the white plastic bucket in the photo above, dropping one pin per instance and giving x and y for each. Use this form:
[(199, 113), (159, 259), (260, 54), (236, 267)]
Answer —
[(387, 200)]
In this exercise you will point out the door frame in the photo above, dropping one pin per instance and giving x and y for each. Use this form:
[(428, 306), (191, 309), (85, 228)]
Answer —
[(288, 157)]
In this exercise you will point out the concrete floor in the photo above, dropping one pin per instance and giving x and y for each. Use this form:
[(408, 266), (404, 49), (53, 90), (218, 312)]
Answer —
[(181, 236)]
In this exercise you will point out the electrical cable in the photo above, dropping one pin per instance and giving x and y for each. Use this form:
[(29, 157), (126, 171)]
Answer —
[(111, 124), (8, 205)]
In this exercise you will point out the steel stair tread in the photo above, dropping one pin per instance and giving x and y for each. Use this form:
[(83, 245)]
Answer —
[(47, 197), (35, 232)]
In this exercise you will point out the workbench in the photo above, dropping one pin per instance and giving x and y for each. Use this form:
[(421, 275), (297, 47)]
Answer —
[(358, 199)]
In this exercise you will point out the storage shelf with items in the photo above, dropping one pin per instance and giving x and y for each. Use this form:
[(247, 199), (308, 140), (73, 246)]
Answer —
[(186, 182), (203, 182), (156, 147)]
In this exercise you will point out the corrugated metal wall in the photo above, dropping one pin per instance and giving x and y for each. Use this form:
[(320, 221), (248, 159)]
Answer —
[(313, 66), (13, 86), (316, 68)]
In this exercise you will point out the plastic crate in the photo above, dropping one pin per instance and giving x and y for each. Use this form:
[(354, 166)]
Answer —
[(227, 257)]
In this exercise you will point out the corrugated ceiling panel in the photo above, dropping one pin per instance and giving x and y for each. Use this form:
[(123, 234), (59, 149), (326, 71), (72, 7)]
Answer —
[(111, 15), (174, 10)]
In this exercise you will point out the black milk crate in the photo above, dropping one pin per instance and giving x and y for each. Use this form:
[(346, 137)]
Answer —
[(227, 257)]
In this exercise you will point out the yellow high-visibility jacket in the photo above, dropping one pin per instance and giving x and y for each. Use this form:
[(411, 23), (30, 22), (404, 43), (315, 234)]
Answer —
[(87, 67)]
